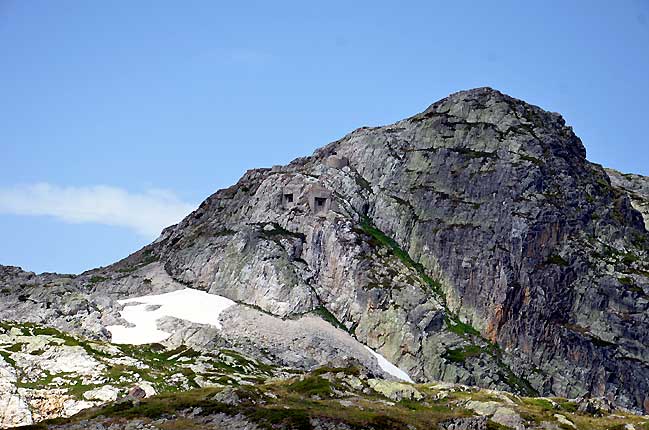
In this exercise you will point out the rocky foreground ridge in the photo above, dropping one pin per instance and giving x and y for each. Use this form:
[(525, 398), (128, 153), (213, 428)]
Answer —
[(65, 382), (471, 244), (331, 398)]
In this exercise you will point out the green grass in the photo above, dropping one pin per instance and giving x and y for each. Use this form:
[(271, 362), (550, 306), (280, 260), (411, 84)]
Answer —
[(147, 258), (515, 381), (16, 347), (629, 258), (293, 406), (381, 239), (542, 404), (159, 363), (567, 405), (531, 159), (470, 153), (362, 182), (491, 425), (78, 388), (557, 260), (460, 355), (7, 357), (241, 362), (312, 386), (96, 279), (456, 326), (39, 383), (386, 241), (626, 281), (324, 313), (352, 370)]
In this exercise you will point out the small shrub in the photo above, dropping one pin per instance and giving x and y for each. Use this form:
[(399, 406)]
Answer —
[(543, 404), (557, 260), (460, 355), (629, 258), (456, 326), (567, 405), (312, 386), (96, 279), (326, 315), (626, 281), (355, 371)]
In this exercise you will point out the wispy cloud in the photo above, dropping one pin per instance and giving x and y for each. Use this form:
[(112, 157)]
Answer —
[(146, 213)]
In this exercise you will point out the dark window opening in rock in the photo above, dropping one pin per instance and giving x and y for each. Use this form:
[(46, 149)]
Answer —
[(288, 198), (320, 203)]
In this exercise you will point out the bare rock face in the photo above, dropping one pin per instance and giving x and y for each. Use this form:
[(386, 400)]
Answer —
[(472, 243), (637, 187), (473, 423), (16, 411), (482, 209)]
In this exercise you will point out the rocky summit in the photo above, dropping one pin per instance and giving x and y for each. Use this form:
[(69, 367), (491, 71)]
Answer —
[(470, 245)]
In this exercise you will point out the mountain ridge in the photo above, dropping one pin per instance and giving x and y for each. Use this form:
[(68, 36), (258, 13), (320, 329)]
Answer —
[(470, 243)]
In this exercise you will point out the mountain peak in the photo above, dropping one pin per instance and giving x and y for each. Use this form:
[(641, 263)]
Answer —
[(471, 243), (481, 96), (518, 123)]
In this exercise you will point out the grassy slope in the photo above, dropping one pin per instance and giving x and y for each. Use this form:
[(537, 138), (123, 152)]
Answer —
[(333, 395)]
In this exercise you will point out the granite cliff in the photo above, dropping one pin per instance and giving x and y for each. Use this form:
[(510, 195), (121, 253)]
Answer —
[(472, 243)]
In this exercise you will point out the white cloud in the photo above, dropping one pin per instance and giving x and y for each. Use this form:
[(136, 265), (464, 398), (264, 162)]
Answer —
[(146, 213)]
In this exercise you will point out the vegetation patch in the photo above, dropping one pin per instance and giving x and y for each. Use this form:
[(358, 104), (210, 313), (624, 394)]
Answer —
[(626, 281), (95, 279), (312, 386), (310, 403), (147, 258), (7, 357), (278, 230), (352, 370), (362, 182), (531, 159), (381, 239), (557, 260), (324, 313), (455, 325), (460, 355), (542, 404), (470, 153)]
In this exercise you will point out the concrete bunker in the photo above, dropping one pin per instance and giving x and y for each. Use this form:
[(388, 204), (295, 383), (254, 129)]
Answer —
[(320, 201), (318, 198), (290, 197)]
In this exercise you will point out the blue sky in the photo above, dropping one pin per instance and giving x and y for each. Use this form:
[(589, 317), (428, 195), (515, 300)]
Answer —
[(118, 117)]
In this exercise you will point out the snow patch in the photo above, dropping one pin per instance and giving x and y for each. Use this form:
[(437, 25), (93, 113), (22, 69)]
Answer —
[(389, 367), (187, 304)]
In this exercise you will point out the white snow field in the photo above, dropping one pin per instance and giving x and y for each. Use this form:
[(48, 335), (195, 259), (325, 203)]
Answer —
[(190, 305), (187, 304), (389, 367)]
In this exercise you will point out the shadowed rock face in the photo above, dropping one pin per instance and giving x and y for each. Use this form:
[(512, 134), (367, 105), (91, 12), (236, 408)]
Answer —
[(471, 243)]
